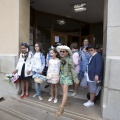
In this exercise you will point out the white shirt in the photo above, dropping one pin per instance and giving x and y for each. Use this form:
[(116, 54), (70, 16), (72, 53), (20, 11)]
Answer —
[(86, 73)]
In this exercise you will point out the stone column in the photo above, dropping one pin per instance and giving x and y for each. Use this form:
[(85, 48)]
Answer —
[(14, 29), (111, 91)]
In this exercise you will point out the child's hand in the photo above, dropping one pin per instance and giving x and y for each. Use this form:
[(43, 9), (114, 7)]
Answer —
[(96, 78), (15, 71), (28, 72)]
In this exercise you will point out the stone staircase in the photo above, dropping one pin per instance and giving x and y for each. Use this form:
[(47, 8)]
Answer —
[(14, 108)]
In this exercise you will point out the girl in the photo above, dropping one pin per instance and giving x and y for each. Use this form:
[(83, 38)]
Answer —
[(38, 64), (76, 63), (24, 68), (53, 74), (67, 74)]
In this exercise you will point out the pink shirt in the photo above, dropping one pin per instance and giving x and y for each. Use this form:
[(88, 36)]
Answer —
[(76, 61)]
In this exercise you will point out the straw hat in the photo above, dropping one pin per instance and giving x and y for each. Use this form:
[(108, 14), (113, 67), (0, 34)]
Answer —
[(64, 47)]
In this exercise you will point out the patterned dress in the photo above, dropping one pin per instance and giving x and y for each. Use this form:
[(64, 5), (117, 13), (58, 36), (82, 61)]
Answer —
[(53, 71), (67, 72)]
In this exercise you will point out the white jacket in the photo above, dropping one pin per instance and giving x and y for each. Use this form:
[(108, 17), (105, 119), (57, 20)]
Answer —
[(28, 64)]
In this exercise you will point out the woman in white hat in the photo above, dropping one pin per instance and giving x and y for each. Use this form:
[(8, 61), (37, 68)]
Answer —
[(67, 74)]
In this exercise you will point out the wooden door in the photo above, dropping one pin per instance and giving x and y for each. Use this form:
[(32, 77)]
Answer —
[(58, 38)]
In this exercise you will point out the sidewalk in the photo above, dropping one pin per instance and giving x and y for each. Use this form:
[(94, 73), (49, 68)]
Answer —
[(33, 109), (75, 105)]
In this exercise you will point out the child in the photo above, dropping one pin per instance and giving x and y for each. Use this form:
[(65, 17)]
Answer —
[(38, 64), (76, 63), (53, 74), (93, 74), (24, 67), (67, 74)]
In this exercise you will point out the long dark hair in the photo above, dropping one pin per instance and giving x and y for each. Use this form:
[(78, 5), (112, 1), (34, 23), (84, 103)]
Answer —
[(40, 47), (84, 40), (55, 51)]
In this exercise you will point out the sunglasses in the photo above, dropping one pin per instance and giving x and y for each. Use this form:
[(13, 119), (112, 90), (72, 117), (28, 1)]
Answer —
[(62, 51)]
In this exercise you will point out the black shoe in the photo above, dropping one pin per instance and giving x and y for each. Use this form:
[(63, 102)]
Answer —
[(47, 86), (1, 98)]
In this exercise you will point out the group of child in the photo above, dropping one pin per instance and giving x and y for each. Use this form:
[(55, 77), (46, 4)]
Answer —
[(60, 70), (63, 67)]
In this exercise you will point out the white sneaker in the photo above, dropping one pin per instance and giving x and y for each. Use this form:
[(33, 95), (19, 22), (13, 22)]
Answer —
[(40, 98), (88, 104), (74, 94), (55, 100), (50, 99), (35, 95), (70, 90)]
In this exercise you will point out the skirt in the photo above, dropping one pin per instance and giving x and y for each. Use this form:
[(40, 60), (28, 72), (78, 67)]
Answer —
[(22, 77), (65, 80), (54, 79)]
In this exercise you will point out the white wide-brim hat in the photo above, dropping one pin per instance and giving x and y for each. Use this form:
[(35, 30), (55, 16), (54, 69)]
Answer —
[(64, 47)]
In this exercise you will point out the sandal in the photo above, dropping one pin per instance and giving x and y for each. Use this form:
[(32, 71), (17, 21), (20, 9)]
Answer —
[(59, 112), (27, 95), (50, 99)]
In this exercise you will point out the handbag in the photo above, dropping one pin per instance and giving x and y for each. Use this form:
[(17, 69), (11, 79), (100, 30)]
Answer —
[(38, 80), (45, 70)]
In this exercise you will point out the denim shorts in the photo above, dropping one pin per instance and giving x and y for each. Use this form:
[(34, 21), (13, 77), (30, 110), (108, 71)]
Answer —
[(92, 87)]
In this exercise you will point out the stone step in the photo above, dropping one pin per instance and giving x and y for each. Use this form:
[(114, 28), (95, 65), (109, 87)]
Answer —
[(53, 109), (27, 109), (22, 110), (6, 116), (9, 114)]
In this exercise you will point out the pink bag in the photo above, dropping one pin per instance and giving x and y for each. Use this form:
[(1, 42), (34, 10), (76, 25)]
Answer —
[(15, 78)]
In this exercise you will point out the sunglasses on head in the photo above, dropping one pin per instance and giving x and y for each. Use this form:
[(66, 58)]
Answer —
[(62, 51)]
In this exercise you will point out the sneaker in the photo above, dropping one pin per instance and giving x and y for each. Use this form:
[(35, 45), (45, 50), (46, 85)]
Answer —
[(35, 95), (50, 99), (55, 100), (74, 94), (40, 98), (88, 104), (70, 90)]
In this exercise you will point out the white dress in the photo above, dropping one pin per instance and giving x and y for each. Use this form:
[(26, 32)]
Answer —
[(53, 70)]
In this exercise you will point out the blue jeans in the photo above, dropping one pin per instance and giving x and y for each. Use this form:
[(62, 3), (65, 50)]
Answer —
[(82, 74), (38, 90)]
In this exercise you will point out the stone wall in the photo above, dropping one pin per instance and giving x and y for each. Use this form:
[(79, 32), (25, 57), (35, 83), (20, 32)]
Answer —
[(7, 65), (14, 29), (111, 90)]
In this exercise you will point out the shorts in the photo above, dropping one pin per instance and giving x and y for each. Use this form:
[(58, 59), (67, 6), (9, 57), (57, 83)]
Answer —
[(92, 87)]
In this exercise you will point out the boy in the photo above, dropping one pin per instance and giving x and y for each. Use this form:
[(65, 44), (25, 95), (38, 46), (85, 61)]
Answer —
[(93, 73)]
